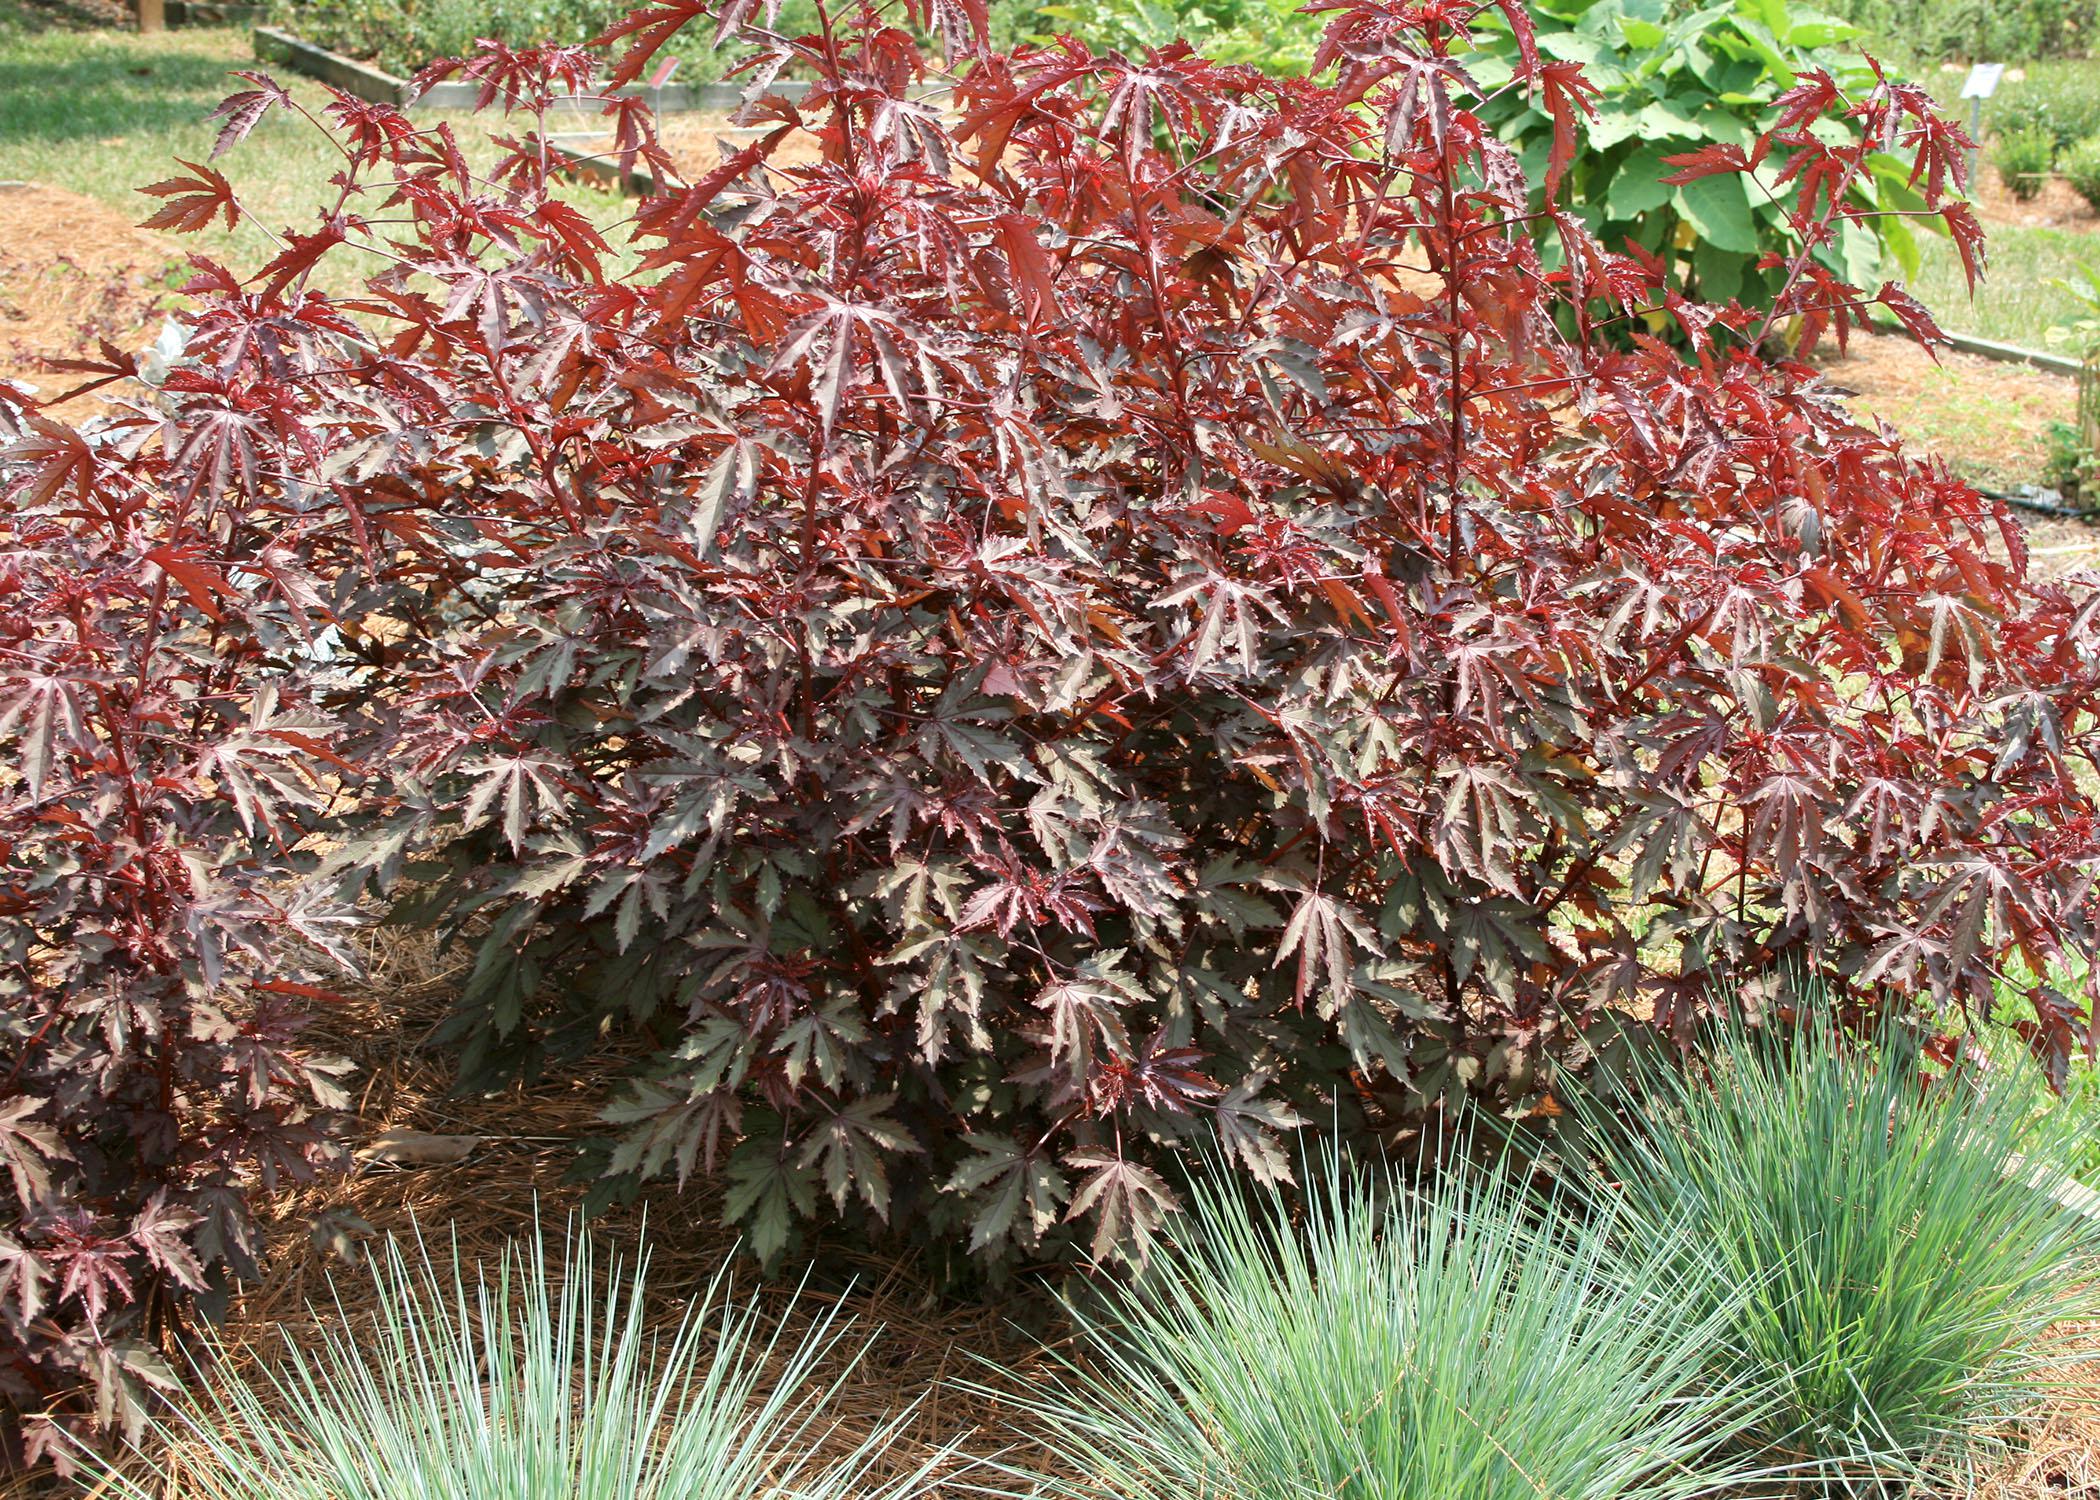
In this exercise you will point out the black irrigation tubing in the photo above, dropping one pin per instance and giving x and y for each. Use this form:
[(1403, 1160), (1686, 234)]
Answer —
[(2042, 506)]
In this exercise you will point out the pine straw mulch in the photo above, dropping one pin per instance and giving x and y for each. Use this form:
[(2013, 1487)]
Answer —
[(1989, 420), (920, 1344), (73, 271), (2060, 1459)]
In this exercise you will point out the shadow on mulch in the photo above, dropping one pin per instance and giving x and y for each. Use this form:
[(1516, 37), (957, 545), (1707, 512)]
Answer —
[(920, 1345), (85, 15)]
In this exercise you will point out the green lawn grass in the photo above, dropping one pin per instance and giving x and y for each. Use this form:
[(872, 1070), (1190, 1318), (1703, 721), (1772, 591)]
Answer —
[(103, 112), (2021, 298)]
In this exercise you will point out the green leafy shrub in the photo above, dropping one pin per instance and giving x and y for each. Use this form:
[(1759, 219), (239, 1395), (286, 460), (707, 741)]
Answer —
[(1888, 1219), (2023, 158), (1669, 80), (2081, 168), (2070, 462), (541, 1382), (1396, 1343), (1931, 31), (2062, 99), (1274, 35), (1671, 83)]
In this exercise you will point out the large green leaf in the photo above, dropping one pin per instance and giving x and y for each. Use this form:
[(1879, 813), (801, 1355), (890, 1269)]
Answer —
[(1571, 46), (1720, 273), (1895, 233), (1614, 123), (1637, 185), (1670, 117), (1861, 255), (1767, 47), (1717, 122), (1641, 33), (1719, 210)]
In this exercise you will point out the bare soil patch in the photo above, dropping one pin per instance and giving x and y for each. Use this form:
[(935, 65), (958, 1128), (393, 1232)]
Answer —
[(2056, 206)]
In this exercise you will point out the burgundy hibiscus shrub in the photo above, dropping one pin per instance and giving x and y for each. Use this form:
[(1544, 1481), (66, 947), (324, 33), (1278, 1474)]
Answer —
[(1119, 607), (155, 956), (1123, 606)]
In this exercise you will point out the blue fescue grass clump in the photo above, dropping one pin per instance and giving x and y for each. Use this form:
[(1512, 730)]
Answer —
[(1885, 1254), (539, 1381), (1397, 1343)]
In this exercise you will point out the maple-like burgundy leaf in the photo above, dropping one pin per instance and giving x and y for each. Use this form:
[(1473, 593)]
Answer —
[(1715, 158), (1912, 314), (1940, 149), (1967, 233), (647, 30), (93, 1269), (1814, 94), (1565, 91), (963, 26), (28, 1147), (301, 254), (244, 111), (192, 201), (569, 227), (1128, 1201), (48, 459), (205, 585), (1525, 32), (938, 662), (161, 1230), (115, 364)]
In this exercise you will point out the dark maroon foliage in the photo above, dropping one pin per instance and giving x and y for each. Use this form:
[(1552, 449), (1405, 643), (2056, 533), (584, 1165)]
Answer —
[(1121, 607), (156, 611)]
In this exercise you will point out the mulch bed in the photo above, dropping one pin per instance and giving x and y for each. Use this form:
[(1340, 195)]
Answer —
[(1989, 419), (696, 141), (923, 1343), (114, 15), (72, 271), (2056, 205)]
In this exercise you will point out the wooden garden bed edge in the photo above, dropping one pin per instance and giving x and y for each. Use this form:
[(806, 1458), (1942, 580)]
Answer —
[(603, 168), (2056, 364), (274, 44)]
